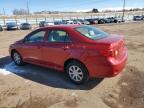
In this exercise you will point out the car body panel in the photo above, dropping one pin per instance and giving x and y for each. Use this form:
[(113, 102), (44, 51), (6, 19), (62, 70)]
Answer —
[(25, 26), (137, 18), (11, 26), (89, 52)]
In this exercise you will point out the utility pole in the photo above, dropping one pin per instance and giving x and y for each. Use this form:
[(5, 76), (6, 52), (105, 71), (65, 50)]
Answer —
[(123, 10), (3, 11), (28, 10)]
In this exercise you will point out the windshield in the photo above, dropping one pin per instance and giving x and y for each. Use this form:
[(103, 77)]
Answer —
[(91, 32), (11, 24)]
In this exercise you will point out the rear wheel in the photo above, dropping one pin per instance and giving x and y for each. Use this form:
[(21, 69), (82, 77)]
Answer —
[(77, 72), (17, 58)]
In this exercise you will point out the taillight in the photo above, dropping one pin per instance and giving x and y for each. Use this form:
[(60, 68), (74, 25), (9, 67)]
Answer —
[(110, 53), (116, 52)]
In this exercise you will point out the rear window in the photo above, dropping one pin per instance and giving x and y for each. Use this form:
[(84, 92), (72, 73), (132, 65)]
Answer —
[(26, 24), (91, 32)]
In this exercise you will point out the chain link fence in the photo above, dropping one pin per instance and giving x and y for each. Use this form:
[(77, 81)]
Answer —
[(35, 19)]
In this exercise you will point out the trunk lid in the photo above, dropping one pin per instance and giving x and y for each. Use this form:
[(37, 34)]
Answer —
[(111, 45)]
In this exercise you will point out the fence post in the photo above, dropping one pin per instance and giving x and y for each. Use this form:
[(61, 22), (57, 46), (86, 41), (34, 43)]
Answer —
[(4, 20), (53, 19), (16, 21), (26, 20), (36, 20), (91, 16)]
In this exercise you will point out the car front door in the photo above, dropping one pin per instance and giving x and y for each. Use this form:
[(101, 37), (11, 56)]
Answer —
[(56, 49), (32, 46)]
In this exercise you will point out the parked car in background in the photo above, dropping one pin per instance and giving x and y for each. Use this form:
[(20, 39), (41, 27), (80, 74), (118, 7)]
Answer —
[(75, 21), (101, 20), (92, 21), (69, 22), (81, 51), (137, 18), (119, 19), (25, 26), (113, 19), (107, 20), (1, 28), (11, 26), (64, 21), (58, 22), (83, 21), (45, 24)]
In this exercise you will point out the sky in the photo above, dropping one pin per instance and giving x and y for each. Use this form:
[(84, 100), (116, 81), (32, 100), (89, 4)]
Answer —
[(67, 5)]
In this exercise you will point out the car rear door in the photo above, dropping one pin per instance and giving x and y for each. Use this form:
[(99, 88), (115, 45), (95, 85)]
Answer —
[(56, 49), (31, 49)]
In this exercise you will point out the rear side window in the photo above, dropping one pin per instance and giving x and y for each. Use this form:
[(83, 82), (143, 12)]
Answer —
[(58, 36), (91, 32), (36, 37)]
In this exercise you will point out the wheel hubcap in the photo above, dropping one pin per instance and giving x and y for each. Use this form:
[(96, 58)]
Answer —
[(75, 73), (17, 58)]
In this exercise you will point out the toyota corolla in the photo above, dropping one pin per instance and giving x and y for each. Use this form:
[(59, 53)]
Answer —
[(81, 51)]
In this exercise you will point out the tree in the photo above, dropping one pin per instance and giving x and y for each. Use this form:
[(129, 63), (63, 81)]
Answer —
[(20, 12), (94, 10)]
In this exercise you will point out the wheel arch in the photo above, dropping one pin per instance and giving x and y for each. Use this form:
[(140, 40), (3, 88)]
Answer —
[(74, 59), (12, 51)]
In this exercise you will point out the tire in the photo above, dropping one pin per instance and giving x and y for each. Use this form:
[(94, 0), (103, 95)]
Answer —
[(17, 58), (115, 21), (1, 29), (81, 76)]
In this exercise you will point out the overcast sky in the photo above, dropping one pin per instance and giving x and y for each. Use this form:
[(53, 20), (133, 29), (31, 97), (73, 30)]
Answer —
[(67, 5)]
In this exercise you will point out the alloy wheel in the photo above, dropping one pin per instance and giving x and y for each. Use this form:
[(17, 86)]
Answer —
[(75, 73)]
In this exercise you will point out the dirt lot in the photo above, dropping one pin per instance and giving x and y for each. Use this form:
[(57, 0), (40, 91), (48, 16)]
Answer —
[(36, 87)]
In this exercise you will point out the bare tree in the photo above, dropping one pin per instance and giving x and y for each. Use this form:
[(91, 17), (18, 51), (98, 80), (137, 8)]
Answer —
[(20, 12)]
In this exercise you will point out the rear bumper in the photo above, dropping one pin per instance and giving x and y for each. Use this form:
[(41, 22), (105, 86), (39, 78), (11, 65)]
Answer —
[(101, 67), (11, 28), (118, 65)]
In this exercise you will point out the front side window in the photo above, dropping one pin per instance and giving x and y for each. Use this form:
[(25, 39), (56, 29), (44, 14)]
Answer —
[(91, 32), (58, 36), (37, 37)]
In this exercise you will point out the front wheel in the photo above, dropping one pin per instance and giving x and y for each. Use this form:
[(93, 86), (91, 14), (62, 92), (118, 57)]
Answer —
[(77, 72), (17, 58)]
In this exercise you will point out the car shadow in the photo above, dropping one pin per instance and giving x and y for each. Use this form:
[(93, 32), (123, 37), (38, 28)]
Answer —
[(45, 76)]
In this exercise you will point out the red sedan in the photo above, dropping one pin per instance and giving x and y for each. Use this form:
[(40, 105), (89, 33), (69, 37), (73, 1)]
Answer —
[(81, 51)]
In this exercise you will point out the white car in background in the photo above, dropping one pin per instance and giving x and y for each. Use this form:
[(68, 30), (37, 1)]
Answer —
[(70, 22), (45, 24)]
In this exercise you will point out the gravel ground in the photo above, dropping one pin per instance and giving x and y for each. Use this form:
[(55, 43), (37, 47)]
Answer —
[(32, 86)]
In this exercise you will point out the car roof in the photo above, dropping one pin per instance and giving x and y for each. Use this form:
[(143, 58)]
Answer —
[(24, 23), (64, 26)]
